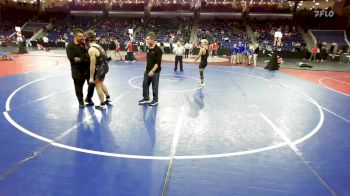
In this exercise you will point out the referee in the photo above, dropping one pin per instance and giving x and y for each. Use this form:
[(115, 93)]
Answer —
[(179, 51)]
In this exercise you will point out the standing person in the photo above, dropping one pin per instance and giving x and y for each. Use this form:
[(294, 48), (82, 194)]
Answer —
[(117, 49), (323, 53), (250, 53), (234, 52), (142, 45), (162, 46), (245, 53), (203, 54), (153, 68), (129, 52), (314, 52), (278, 37), (139, 47), (240, 52), (98, 69), (65, 37), (255, 56), (187, 49), (79, 60), (28, 43), (215, 49), (193, 45), (21, 45), (171, 41), (318, 56), (211, 50), (46, 43), (179, 51)]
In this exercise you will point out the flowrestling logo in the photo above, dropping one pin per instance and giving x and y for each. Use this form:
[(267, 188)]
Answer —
[(324, 13)]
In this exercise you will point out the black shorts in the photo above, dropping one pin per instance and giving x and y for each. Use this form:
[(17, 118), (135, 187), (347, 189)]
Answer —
[(203, 65), (100, 73), (99, 77)]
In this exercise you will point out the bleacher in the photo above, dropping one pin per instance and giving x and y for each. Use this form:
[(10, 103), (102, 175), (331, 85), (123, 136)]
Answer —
[(116, 28), (64, 27), (226, 32), (128, 7), (88, 6), (167, 30), (265, 31), (334, 36), (270, 8), (214, 7), (6, 28), (171, 7)]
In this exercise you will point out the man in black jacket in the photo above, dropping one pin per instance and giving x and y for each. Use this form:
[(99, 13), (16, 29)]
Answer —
[(80, 66)]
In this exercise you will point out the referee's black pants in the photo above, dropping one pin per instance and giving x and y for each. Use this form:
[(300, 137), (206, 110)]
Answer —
[(178, 59)]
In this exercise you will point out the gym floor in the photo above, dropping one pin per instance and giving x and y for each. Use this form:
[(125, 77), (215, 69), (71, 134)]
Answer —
[(249, 131)]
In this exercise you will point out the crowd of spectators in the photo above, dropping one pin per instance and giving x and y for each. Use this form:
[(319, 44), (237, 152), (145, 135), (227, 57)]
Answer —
[(264, 31), (270, 8), (168, 30), (172, 7), (215, 7), (88, 6), (226, 32), (128, 7)]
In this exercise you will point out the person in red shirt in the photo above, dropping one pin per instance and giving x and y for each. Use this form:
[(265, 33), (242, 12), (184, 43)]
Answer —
[(129, 47), (117, 49), (211, 49), (215, 49), (314, 52), (129, 52)]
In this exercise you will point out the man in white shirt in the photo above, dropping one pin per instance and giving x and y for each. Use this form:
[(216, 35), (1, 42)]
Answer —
[(46, 42), (278, 38), (179, 51), (21, 45)]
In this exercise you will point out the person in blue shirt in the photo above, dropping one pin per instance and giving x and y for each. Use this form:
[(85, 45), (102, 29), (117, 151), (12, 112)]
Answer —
[(234, 52)]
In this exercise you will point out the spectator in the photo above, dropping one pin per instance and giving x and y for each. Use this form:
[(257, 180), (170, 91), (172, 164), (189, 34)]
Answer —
[(314, 52)]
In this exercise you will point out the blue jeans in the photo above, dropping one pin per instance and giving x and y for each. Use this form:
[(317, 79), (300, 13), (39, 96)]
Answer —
[(147, 82)]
